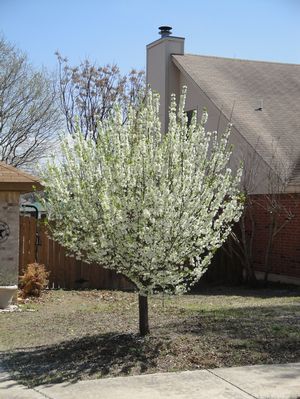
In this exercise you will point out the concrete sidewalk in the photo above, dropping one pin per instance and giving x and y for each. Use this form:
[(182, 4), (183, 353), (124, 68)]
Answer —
[(263, 382)]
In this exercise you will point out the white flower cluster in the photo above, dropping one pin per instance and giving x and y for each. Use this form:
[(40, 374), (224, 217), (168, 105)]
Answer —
[(152, 206)]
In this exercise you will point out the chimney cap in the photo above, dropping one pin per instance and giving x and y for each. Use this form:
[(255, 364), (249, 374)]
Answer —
[(165, 31)]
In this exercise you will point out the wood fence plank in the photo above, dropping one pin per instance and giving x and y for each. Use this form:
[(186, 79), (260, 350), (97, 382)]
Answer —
[(21, 245), (56, 253), (50, 265)]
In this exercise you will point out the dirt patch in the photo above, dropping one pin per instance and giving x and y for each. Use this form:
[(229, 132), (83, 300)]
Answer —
[(73, 335)]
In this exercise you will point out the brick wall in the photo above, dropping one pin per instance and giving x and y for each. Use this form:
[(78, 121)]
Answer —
[(9, 248), (285, 253)]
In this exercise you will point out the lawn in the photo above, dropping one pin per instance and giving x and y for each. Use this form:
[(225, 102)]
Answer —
[(73, 335)]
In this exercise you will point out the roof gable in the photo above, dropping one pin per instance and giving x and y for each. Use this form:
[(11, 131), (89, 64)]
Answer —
[(240, 87)]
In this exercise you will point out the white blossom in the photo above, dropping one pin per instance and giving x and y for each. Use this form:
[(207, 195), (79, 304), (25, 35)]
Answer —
[(152, 206)]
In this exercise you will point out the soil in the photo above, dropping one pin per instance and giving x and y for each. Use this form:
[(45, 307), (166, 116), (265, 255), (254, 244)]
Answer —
[(75, 335)]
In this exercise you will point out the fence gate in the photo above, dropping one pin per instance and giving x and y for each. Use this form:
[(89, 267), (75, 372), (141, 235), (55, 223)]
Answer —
[(65, 271)]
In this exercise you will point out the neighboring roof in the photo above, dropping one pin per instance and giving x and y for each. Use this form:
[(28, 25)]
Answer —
[(240, 86), (13, 179)]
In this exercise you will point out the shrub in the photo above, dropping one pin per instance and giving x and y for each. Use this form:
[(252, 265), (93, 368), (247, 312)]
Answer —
[(34, 280)]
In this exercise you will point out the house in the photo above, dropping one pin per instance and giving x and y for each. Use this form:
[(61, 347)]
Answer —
[(262, 101)]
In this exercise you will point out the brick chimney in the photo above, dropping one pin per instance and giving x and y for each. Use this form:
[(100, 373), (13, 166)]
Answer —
[(162, 74)]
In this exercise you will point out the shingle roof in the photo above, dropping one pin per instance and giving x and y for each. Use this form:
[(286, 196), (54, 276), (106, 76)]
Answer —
[(13, 179), (241, 85)]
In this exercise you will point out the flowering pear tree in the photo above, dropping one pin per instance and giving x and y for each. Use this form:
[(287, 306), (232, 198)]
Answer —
[(154, 207)]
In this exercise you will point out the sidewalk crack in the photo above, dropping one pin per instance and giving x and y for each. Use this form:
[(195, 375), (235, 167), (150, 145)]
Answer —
[(228, 382), (42, 393)]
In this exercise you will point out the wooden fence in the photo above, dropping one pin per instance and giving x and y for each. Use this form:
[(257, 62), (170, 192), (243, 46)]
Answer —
[(65, 271)]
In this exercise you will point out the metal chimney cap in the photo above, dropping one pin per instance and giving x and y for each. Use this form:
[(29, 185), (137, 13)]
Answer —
[(165, 31)]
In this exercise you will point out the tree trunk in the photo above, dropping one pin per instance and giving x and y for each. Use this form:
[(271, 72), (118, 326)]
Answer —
[(143, 314), (268, 267), (251, 279), (247, 251)]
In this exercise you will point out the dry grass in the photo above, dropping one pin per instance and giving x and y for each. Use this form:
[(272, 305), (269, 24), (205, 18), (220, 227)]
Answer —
[(69, 335)]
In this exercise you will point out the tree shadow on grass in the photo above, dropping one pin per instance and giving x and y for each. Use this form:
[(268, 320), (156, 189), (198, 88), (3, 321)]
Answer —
[(273, 290), (88, 357), (245, 336)]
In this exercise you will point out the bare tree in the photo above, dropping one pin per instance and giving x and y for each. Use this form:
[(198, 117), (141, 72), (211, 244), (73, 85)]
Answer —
[(29, 116), (242, 244), (89, 92)]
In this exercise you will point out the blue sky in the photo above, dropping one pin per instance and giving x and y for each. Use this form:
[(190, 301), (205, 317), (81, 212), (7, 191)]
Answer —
[(118, 30)]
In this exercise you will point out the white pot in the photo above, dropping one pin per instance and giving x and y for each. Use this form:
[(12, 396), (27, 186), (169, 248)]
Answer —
[(6, 295)]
